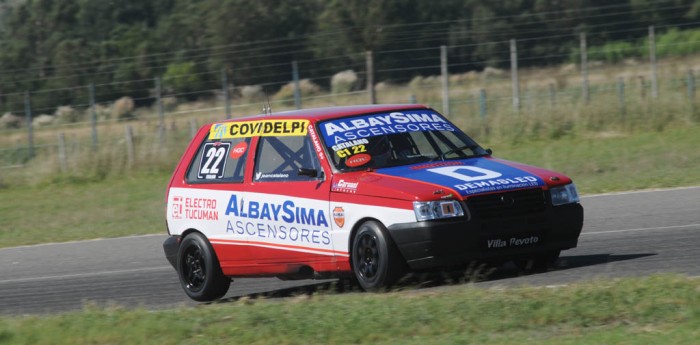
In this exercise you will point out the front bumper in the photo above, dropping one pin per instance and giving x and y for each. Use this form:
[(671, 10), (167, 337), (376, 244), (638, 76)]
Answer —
[(170, 247), (444, 243)]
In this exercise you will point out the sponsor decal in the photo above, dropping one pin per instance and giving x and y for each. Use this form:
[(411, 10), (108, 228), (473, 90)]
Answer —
[(261, 176), (194, 208), (434, 165), (245, 129), (499, 243), (358, 160), (343, 130), (239, 150), (472, 176), (348, 144), (344, 186), (317, 143), (283, 221), (177, 207), (339, 216)]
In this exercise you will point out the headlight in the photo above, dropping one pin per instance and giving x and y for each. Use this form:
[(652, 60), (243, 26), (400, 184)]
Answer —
[(426, 210), (564, 195)]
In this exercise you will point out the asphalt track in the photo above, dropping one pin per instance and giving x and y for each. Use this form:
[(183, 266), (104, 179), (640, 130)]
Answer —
[(625, 234)]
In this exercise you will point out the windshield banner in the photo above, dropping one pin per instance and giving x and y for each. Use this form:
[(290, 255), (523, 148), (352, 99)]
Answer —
[(346, 129)]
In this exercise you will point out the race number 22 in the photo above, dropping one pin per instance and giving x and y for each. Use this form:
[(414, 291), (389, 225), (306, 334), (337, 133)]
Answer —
[(213, 161)]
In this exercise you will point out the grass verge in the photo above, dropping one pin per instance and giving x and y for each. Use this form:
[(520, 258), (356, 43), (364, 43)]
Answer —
[(133, 204), (658, 309)]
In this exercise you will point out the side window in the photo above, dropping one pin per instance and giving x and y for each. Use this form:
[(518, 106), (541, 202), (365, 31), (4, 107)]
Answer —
[(219, 160), (279, 159)]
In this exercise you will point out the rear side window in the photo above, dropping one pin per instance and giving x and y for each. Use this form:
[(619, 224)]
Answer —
[(219, 160), (280, 158)]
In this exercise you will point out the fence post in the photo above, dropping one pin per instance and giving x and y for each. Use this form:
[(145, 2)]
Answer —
[(93, 116), (514, 74), (691, 90), (643, 87), (227, 96), (62, 152), (297, 87), (584, 69), (482, 103), (193, 127), (369, 62), (621, 95), (129, 145), (159, 107), (30, 128), (552, 95), (652, 62), (412, 99), (445, 79)]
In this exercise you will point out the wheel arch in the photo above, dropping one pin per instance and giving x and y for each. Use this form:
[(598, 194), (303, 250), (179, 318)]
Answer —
[(357, 226), (191, 231)]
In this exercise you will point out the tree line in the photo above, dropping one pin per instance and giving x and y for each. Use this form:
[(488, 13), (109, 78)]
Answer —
[(58, 45)]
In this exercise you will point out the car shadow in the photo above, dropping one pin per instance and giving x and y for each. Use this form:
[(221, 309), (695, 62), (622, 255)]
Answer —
[(485, 272), (473, 273)]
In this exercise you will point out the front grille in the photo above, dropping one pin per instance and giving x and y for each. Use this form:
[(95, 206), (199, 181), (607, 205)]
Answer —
[(509, 209)]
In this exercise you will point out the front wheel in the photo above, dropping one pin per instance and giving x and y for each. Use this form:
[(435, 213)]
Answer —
[(376, 262), (199, 270)]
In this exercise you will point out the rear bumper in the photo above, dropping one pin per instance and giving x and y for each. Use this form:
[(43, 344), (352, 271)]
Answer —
[(444, 243), (170, 247)]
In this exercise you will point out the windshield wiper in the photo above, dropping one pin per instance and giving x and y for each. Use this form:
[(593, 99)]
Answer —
[(456, 149)]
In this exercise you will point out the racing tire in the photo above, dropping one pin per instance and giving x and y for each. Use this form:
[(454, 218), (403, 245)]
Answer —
[(538, 263), (376, 262), (199, 270)]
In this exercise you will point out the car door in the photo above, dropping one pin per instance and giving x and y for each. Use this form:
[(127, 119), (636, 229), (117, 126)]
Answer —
[(289, 202)]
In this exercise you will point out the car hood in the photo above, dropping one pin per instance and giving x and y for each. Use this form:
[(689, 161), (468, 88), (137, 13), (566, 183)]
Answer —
[(431, 181)]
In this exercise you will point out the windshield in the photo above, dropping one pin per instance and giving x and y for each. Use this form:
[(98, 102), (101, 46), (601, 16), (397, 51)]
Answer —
[(392, 139)]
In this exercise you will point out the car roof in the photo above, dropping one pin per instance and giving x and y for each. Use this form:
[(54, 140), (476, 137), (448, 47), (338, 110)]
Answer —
[(319, 114)]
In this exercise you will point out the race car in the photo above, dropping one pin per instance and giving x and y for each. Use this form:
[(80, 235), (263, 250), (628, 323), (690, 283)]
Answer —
[(367, 192)]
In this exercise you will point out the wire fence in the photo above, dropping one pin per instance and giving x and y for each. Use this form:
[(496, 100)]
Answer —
[(103, 119)]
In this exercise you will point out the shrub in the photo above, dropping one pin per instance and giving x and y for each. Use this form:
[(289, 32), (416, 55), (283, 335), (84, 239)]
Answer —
[(169, 103), (123, 109)]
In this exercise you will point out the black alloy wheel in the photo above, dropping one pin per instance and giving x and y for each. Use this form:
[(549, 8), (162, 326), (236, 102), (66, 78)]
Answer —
[(199, 270), (376, 262)]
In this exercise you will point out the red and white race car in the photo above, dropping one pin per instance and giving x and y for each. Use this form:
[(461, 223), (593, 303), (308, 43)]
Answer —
[(365, 191)]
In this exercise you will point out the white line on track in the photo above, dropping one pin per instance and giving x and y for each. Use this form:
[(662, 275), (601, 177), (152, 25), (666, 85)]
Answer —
[(687, 226), (103, 239), (83, 275), (654, 190)]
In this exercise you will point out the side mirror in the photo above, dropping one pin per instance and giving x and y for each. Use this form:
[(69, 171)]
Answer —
[(489, 151), (307, 172)]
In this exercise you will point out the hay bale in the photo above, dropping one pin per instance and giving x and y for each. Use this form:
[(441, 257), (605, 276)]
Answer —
[(9, 120), (43, 120), (343, 82)]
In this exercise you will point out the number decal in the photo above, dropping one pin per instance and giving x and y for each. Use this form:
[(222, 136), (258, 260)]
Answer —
[(213, 161), (349, 151), (358, 149)]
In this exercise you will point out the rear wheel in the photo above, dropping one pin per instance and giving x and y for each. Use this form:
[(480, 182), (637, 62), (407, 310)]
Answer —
[(376, 262), (199, 270)]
